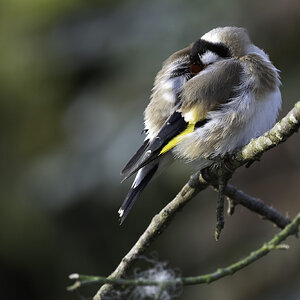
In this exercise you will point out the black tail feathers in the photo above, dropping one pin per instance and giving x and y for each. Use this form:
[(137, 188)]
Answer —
[(142, 178)]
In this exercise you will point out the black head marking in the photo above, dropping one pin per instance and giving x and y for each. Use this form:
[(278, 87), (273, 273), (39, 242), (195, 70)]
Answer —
[(201, 46)]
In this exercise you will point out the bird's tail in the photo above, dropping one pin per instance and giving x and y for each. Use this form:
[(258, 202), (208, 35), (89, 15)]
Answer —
[(142, 178)]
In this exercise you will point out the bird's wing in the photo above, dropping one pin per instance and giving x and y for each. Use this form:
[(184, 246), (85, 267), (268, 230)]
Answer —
[(135, 157), (173, 126), (167, 85), (175, 71)]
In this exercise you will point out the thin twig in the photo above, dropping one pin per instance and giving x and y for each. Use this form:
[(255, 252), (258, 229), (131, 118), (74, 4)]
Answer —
[(273, 244), (220, 211), (256, 205)]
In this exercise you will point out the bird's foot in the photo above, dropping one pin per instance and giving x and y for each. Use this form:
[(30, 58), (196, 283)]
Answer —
[(224, 173)]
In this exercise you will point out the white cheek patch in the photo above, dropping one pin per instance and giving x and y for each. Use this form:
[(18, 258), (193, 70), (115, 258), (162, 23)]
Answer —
[(209, 57)]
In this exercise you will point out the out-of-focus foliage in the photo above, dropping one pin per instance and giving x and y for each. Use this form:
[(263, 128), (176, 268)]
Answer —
[(75, 77)]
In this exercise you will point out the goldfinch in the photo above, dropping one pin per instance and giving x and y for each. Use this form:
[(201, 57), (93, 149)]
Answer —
[(208, 99)]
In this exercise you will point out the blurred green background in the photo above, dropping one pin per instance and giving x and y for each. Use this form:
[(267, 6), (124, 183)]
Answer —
[(75, 77)]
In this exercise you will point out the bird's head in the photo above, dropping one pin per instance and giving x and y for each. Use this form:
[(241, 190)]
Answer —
[(217, 44)]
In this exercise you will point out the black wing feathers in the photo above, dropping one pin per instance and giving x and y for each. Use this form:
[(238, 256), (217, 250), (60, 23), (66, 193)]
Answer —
[(172, 127), (135, 157)]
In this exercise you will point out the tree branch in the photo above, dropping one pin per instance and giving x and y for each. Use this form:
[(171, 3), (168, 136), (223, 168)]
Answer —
[(273, 244), (256, 205), (201, 180)]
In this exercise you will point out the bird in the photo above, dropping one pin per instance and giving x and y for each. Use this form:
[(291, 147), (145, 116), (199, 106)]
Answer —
[(208, 99)]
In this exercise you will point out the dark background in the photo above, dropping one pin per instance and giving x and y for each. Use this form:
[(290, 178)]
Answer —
[(75, 77)]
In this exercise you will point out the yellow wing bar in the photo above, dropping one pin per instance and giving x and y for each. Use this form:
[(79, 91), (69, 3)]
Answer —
[(178, 138)]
